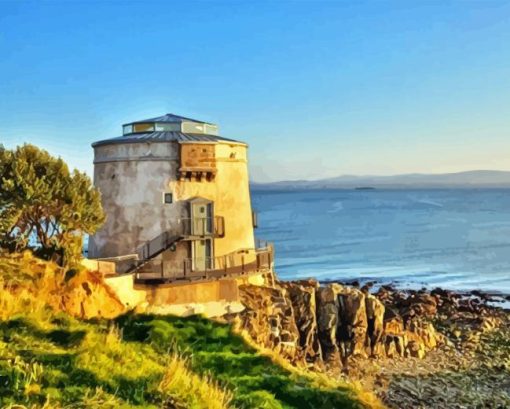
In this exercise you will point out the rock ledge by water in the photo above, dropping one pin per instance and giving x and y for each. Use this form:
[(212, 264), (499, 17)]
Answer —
[(347, 331)]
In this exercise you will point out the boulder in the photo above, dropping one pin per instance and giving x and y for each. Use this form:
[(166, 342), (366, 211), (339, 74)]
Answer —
[(393, 322), (424, 333), (352, 322), (327, 320), (416, 349), (87, 296), (375, 324), (303, 299), (423, 305), (269, 319), (395, 340)]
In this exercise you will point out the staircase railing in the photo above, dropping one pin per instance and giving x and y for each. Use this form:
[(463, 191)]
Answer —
[(157, 245), (233, 264), (186, 227)]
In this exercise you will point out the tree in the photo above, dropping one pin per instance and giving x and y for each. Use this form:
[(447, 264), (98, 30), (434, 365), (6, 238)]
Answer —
[(45, 207)]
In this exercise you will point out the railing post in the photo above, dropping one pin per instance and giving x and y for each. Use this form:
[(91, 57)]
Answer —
[(162, 269), (242, 263), (225, 263)]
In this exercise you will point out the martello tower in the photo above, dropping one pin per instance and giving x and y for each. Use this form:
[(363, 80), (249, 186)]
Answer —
[(177, 200)]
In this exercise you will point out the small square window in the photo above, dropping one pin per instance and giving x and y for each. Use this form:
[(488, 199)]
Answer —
[(168, 198)]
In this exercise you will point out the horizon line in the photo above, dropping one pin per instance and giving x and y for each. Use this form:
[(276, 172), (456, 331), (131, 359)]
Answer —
[(383, 176)]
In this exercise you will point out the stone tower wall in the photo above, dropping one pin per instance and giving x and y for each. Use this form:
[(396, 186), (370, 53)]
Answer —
[(133, 178)]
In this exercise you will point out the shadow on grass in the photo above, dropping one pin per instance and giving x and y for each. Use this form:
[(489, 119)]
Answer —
[(212, 347), (216, 350), (60, 337), (61, 378)]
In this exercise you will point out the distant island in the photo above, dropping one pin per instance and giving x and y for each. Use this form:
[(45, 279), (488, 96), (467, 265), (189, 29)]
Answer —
[(469, 179)]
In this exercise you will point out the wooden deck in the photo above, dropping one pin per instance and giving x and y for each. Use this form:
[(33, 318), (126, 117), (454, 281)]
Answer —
[(157, 272)]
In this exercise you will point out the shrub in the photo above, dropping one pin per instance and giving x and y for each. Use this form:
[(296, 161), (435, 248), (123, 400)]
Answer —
[(44, 206)]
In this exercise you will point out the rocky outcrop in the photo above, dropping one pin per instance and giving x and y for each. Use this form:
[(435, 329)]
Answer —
[(351, 333), (375, 324), (335, 323), (87, 296), (327, 321), (269, 319), (338, 324), (337, 327), (302, 295), (78, 291)]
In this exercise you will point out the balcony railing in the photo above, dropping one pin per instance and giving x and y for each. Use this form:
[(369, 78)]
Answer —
[(202, 226), (235, 264), (187, 228), (197, 226), (263, 245)]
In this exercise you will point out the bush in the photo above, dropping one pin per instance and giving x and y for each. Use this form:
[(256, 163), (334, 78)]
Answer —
[(44, 206)]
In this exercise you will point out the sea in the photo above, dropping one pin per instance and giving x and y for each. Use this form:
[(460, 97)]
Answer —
[(457, 239)]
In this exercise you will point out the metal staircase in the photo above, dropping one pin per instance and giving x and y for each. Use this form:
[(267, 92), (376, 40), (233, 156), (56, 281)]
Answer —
[(153, 248)]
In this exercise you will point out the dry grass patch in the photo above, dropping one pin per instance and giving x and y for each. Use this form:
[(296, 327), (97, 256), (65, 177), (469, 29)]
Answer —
[(180, 383)]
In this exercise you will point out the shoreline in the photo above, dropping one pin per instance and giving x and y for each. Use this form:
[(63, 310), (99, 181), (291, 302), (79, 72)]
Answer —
[(500, 299), (412, 347)]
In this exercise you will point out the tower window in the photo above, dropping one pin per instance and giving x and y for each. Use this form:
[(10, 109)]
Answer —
[(143, 128), (168, 198)]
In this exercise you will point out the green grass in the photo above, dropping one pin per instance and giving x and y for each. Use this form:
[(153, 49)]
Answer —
[(51, 360), (63, 362), (59, 365), (214, 349)]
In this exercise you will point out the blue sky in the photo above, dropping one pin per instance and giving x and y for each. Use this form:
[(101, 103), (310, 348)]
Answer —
[(317, 89)]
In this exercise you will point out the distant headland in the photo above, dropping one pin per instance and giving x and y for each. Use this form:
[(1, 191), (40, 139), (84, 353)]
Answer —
[(461, 180)]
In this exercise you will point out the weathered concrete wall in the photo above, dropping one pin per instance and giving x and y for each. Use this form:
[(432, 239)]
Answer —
[(133, 178), (105, 268), (231, 195), (201, 292), (208, 309), (123, 286), (200, 296)]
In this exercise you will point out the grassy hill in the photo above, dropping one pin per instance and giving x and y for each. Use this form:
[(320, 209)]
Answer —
[(50, 359)]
